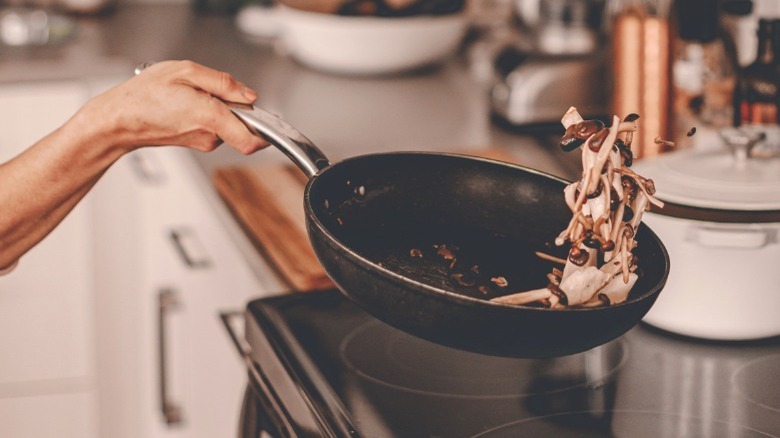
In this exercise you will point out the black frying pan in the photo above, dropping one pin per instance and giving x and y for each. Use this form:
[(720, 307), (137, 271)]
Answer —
[(387, 228)]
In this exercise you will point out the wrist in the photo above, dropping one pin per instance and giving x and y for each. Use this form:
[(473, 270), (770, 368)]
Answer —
[(98, 133)]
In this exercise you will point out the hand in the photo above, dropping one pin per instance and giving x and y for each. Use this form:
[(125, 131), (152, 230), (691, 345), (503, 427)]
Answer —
[(173, 103)]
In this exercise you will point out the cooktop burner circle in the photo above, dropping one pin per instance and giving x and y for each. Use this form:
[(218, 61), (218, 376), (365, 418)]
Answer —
[(395, 359), (635, 424), (759, 381)]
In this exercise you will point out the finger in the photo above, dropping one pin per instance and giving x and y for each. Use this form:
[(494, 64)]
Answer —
[(233, 132), (218, 83)]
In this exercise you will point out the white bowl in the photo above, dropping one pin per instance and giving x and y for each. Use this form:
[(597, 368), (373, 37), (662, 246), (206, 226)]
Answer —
[(359, 45)]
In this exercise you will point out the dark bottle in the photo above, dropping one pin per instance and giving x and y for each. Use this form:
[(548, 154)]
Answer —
[(758, 96)]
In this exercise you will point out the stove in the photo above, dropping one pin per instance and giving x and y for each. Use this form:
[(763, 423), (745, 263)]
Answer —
[(320, 366)]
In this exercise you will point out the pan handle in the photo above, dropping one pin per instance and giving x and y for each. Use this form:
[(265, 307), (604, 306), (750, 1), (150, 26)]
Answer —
[(282, 135), (278, 132)]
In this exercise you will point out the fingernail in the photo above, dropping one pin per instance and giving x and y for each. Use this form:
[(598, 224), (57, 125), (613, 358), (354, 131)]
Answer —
[(249, 94)]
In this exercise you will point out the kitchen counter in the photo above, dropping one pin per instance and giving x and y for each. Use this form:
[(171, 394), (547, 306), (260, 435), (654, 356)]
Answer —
[(440, 109)]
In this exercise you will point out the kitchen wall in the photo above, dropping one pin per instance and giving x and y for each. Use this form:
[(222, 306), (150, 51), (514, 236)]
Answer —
[(767, 8)]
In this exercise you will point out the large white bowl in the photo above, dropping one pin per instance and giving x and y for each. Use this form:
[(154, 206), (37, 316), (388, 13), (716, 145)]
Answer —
[(361, 45)]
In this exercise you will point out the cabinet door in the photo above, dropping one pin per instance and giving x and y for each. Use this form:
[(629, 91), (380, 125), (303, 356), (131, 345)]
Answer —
[(213, 276), (173, 270), (57, 415), (46, 307), (124, 310)]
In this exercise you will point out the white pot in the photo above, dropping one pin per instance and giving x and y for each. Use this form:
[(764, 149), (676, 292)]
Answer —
[(724, 281), (721, 227), (358, 45)]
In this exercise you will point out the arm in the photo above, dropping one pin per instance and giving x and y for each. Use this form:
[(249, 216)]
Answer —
[(170, 103)]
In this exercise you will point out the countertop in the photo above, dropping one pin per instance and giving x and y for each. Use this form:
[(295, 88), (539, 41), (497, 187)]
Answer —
[(440, 109)]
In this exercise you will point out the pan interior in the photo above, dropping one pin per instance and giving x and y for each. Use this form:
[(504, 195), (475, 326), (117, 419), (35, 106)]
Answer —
[(461, 225), (457, 258)]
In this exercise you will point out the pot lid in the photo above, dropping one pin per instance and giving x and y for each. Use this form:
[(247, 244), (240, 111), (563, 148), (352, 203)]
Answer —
[(723, 179)]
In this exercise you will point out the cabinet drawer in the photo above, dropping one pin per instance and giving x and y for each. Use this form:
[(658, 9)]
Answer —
[(31, 110), (46, 321), (60, 415)]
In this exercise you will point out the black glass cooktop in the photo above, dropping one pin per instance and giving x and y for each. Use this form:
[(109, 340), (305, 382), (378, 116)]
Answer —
[(331, 369)]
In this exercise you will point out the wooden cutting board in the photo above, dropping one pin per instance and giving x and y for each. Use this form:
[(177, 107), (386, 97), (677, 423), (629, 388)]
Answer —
[(267, 201)]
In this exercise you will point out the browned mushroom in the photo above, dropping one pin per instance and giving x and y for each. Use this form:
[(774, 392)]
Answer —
[(661, 141), (578, 256), (463, 280), (500, 281), (598, 139), (577, 133), (607, 203), (446, 252)]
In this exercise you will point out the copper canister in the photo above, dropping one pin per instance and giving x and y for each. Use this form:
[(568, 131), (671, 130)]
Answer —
[(641, 75)]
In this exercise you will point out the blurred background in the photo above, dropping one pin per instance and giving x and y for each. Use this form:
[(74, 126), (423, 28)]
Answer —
[(677, 63)]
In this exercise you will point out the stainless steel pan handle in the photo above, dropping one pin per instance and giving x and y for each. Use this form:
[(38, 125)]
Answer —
[(282, 135), (278, 132)]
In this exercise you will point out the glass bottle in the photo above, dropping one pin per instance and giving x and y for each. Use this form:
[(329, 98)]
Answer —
[(758, 89), (757, 99), (739, 22), (703, 72)]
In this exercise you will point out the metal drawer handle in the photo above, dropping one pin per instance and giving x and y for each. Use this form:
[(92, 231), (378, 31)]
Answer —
[(146, 168), (190, 248), (172, 411)]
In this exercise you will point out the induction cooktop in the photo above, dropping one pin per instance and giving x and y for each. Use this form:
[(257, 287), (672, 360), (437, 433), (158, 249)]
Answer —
[(323, 367)]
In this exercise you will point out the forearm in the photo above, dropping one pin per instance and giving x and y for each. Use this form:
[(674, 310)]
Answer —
[(42, 185), (21, 238)]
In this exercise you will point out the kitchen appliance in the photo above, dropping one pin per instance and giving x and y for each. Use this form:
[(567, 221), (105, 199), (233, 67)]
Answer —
[(562, 27), (721, 225), (321, 367), (554, 62), (378, 224), (531, 91)]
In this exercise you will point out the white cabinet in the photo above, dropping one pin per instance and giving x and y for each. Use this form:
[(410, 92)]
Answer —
[(166, 268), (47, 375), (72, 414)]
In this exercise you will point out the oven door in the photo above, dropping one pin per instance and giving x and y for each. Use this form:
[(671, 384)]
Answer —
[(255, 421), (274, 404), (261, 412)]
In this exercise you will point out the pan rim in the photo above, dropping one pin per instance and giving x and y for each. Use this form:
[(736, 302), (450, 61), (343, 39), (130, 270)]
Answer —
[(463, 299)]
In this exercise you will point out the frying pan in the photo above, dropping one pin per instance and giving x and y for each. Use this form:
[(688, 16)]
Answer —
[(423, 240)]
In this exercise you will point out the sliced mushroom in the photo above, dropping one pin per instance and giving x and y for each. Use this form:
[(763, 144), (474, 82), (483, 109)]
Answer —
[(607, 204)]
